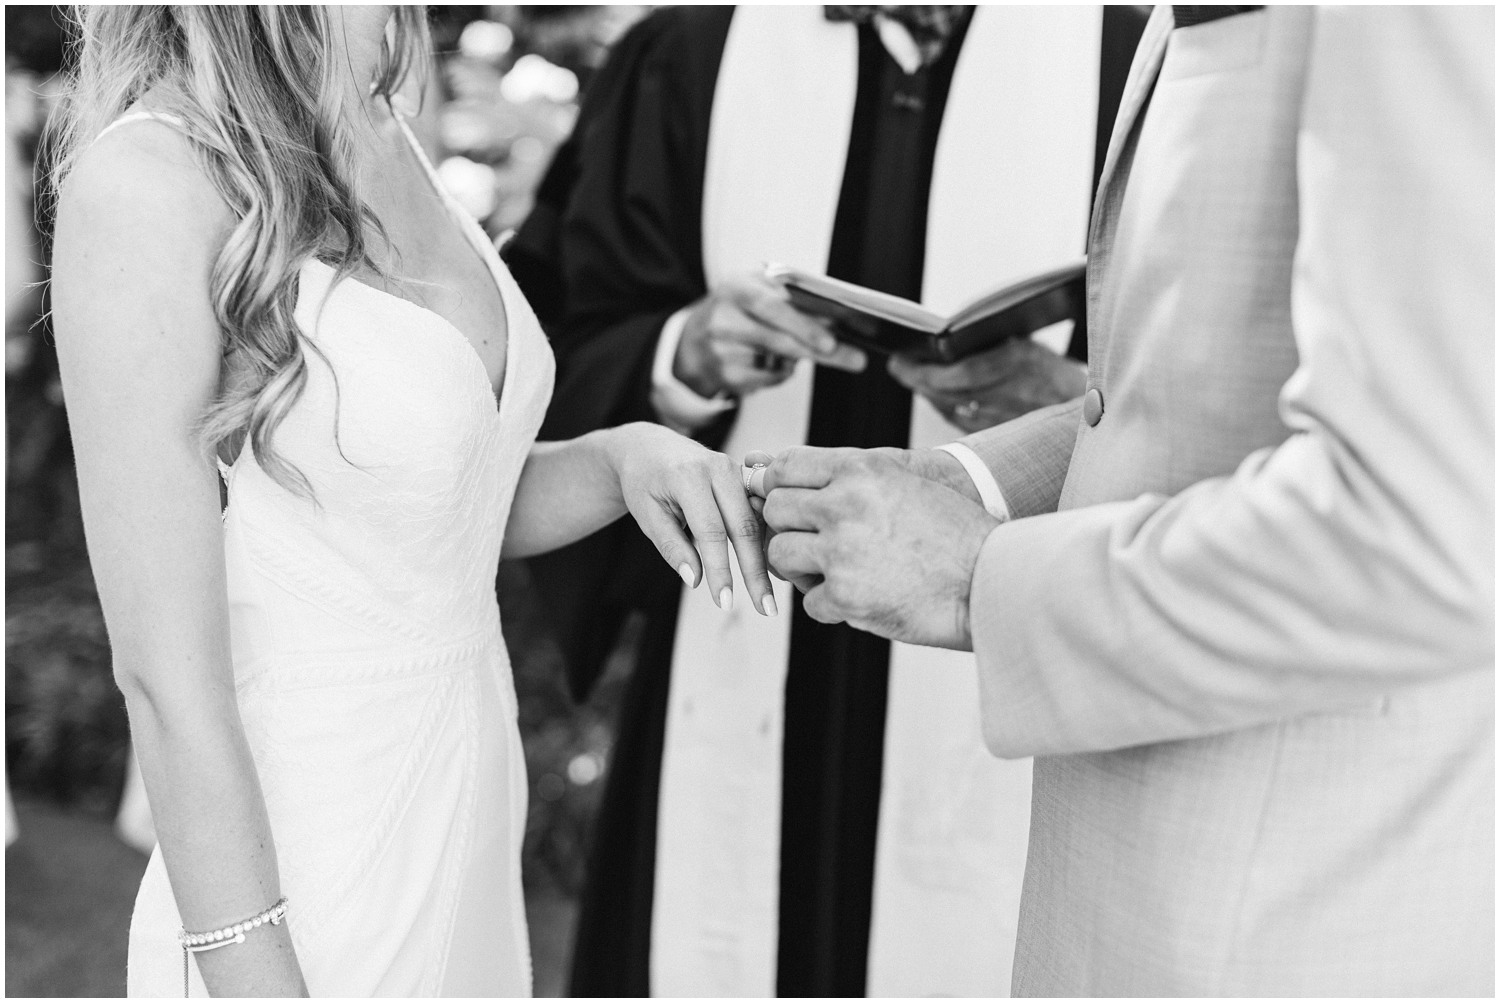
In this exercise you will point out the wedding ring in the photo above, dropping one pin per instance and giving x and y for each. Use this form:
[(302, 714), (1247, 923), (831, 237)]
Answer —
[(968, 410), (747, 474)]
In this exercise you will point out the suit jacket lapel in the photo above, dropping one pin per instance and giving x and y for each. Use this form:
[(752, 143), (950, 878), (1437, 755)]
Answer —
[(1148, 59), (1138, 86)]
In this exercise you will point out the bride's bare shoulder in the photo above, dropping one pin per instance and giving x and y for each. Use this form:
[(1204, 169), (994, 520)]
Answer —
[(141, 184), (138, 226)]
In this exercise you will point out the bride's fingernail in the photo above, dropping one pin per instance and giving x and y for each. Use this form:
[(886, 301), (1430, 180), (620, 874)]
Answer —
[(726, 598), (768, 605), (686, 571)]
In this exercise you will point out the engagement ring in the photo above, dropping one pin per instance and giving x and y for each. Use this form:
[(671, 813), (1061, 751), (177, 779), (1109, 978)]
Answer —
[(968, 409), (747, 473)]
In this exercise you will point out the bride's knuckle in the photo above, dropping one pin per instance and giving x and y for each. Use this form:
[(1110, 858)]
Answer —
[(747, 528), (721, 475)]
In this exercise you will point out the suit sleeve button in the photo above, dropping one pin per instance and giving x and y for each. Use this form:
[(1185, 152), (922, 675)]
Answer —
[(1093, 406)]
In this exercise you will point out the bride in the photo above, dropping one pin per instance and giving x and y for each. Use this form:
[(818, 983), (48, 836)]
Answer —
[(254, 267)]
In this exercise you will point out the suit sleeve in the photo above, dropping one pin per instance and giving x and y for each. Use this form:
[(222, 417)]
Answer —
[(1357, 557), (1028, 456)]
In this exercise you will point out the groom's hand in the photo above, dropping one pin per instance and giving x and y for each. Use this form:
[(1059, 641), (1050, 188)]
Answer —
[(929, 464), (875, 544)]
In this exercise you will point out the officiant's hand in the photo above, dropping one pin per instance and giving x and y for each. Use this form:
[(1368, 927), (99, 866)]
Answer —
[(878, 546), (745, 335), (1014, 378)]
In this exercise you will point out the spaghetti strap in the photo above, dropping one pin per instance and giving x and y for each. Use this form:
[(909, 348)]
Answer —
[(416, 146), (139, 116), (470, 227)]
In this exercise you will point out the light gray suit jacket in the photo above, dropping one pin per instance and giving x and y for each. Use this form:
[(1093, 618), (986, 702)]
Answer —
[(1246, 619)]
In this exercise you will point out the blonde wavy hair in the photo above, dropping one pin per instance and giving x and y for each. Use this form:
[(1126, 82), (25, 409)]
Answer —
[(260, 91)]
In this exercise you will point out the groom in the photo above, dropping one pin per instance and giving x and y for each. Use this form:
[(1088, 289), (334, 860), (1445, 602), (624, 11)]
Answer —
[(1242, 610)]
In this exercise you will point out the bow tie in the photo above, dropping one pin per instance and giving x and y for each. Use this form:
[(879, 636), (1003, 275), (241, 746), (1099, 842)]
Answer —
[(930, 27)]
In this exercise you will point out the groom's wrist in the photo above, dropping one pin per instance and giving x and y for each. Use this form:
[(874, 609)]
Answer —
[(943, 468), (972, 537)]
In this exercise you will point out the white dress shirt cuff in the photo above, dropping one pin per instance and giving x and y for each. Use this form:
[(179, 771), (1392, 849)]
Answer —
[(677, 404), (990, 494)]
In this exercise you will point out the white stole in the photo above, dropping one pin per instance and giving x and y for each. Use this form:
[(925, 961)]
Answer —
[(1009, 196)]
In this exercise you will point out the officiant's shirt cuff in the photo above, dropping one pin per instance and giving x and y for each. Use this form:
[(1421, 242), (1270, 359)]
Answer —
[(680, 408), (984, 481)]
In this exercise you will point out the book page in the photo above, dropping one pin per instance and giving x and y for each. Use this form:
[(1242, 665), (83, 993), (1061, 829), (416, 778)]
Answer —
[(1006, 296), (869, 301)]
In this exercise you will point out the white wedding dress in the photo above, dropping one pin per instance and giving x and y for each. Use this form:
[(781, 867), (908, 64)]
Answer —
[(372, 680)]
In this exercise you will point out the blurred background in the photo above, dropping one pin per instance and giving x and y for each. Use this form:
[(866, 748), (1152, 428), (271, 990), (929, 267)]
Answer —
[(504, 95)]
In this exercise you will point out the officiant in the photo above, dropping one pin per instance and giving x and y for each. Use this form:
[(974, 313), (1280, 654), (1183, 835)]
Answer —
[(794, 808)]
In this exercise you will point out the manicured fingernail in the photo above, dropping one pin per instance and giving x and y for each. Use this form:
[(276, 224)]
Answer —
[(726, 598), (686, 571), (768, 605)]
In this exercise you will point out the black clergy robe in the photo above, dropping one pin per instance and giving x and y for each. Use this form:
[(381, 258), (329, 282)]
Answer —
[(611, 251)]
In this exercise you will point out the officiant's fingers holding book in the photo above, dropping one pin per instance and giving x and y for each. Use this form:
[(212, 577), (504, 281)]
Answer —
[(744, 336), (1014, 378), (874, 542)]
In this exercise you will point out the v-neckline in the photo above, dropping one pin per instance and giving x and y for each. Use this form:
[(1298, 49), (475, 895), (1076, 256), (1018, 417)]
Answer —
[(483, 374), (487, 255), (497, 397)]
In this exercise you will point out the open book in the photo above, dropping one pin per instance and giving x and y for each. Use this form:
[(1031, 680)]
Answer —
[(890, 325)]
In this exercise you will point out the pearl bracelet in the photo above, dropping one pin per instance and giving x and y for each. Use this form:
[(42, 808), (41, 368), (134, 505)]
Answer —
[(194, 943)]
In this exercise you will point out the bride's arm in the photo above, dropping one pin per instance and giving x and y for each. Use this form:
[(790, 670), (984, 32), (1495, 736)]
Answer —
[(689, 500), (136, 235)]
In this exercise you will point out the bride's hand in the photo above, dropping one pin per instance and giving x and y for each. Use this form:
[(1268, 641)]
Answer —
[(691, 502)]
